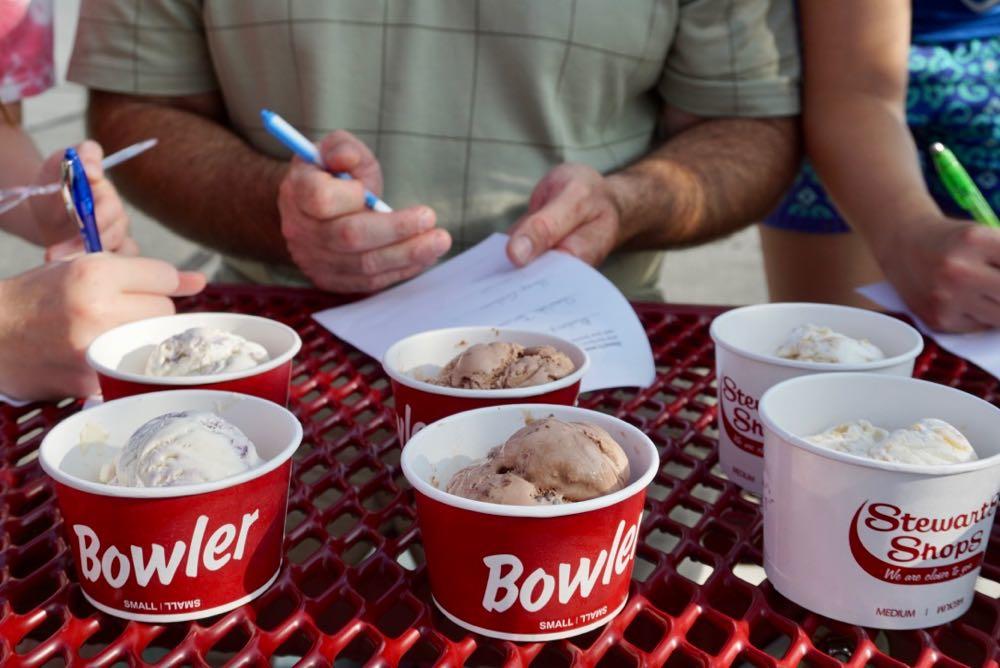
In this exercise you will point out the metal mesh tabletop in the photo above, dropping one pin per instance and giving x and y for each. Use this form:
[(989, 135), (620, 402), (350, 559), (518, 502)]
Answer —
[(354, 590)]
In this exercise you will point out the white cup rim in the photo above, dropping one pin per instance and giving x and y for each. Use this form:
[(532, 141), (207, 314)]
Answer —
[(915, 349), (858, 460), (205, 379), (103, 489), (505, 510), (507, 393)]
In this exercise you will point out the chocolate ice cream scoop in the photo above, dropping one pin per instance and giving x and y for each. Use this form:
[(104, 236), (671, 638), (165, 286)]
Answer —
[(483, 483), (502, 365), (537, 365), (548, 461)]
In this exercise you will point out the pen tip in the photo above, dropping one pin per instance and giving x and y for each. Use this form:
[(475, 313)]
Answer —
[(266, 113), (70, 153), (937, 147)]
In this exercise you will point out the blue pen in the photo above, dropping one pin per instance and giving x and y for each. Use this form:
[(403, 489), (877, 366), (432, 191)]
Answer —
[(80, 200), (305, 149)]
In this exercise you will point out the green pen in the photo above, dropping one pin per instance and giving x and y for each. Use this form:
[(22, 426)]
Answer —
[(960, 185)]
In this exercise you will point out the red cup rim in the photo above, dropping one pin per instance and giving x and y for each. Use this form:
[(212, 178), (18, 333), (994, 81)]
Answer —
[(102, 489), (209, 379), (510, 393), (774, 394), (916, 347), (561, 510)]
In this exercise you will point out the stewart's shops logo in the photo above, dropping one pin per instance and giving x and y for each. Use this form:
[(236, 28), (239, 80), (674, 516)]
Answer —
[(945, 548), (738, 411)]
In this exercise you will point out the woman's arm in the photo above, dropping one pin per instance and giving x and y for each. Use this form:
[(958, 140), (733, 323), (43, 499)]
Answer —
[(20, 163), (855, 55)]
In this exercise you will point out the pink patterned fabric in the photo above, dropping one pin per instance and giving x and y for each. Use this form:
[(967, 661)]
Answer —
[(26, 43)]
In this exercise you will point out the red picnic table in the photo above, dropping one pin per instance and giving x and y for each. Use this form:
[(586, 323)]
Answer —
[(354, 590)]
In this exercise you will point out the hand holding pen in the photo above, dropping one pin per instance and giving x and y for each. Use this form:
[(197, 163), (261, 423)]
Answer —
[(947, 268), (336, 230), (59, 231)]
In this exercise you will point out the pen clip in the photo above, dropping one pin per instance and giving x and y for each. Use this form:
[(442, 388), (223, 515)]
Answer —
[(66, 190)]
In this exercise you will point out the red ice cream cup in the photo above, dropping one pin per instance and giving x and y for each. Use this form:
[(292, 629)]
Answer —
[(170, 554), (525, 573), (119, 356), (419, 403)]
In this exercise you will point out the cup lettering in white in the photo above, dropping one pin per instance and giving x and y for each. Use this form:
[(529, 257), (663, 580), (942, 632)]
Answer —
[(199, 533), (215, 550), (116, 567), (89, 544), (111, 555), (164, 570), (404, 428), (502, 589), (530, 583), (497, 581), (584, 579)]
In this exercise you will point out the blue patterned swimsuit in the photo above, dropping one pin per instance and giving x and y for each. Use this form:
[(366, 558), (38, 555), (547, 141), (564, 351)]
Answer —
[(953, 97)]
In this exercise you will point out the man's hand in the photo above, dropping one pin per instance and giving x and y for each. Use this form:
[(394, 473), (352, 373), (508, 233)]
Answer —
[(58, 231), (572, 209), (339, 244), (948, 272), (49, 315)]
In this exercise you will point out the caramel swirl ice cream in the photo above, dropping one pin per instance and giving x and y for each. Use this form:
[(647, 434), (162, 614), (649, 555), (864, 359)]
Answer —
[(813, 343)]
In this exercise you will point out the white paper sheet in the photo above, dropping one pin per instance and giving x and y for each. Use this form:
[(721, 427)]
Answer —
[(980, 348), (556, 293)]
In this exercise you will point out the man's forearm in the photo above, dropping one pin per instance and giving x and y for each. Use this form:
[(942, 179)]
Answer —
[(204, 182), (707, 181)]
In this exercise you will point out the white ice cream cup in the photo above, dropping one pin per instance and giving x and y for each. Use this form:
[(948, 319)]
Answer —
[(879, 544), (119, 356), (168, 554), (746, 365)]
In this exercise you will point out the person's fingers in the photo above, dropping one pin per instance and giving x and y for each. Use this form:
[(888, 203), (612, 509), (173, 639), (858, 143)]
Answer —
[(984, 240), (590, 242), (142, 275), (131, 307), (545, 228), (985, 309), (112, 221), (189, 283), (322, 196), (354, 283), (343, 152), (127, 248), (91, 154), (367, 231), (420, 250), (64, 250)]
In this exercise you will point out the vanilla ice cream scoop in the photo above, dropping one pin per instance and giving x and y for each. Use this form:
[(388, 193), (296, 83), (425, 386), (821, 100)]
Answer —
[(501, 365), (203, 351), (929, 441), (812, 343), (184, 448), (857, 438), (549, 461)]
